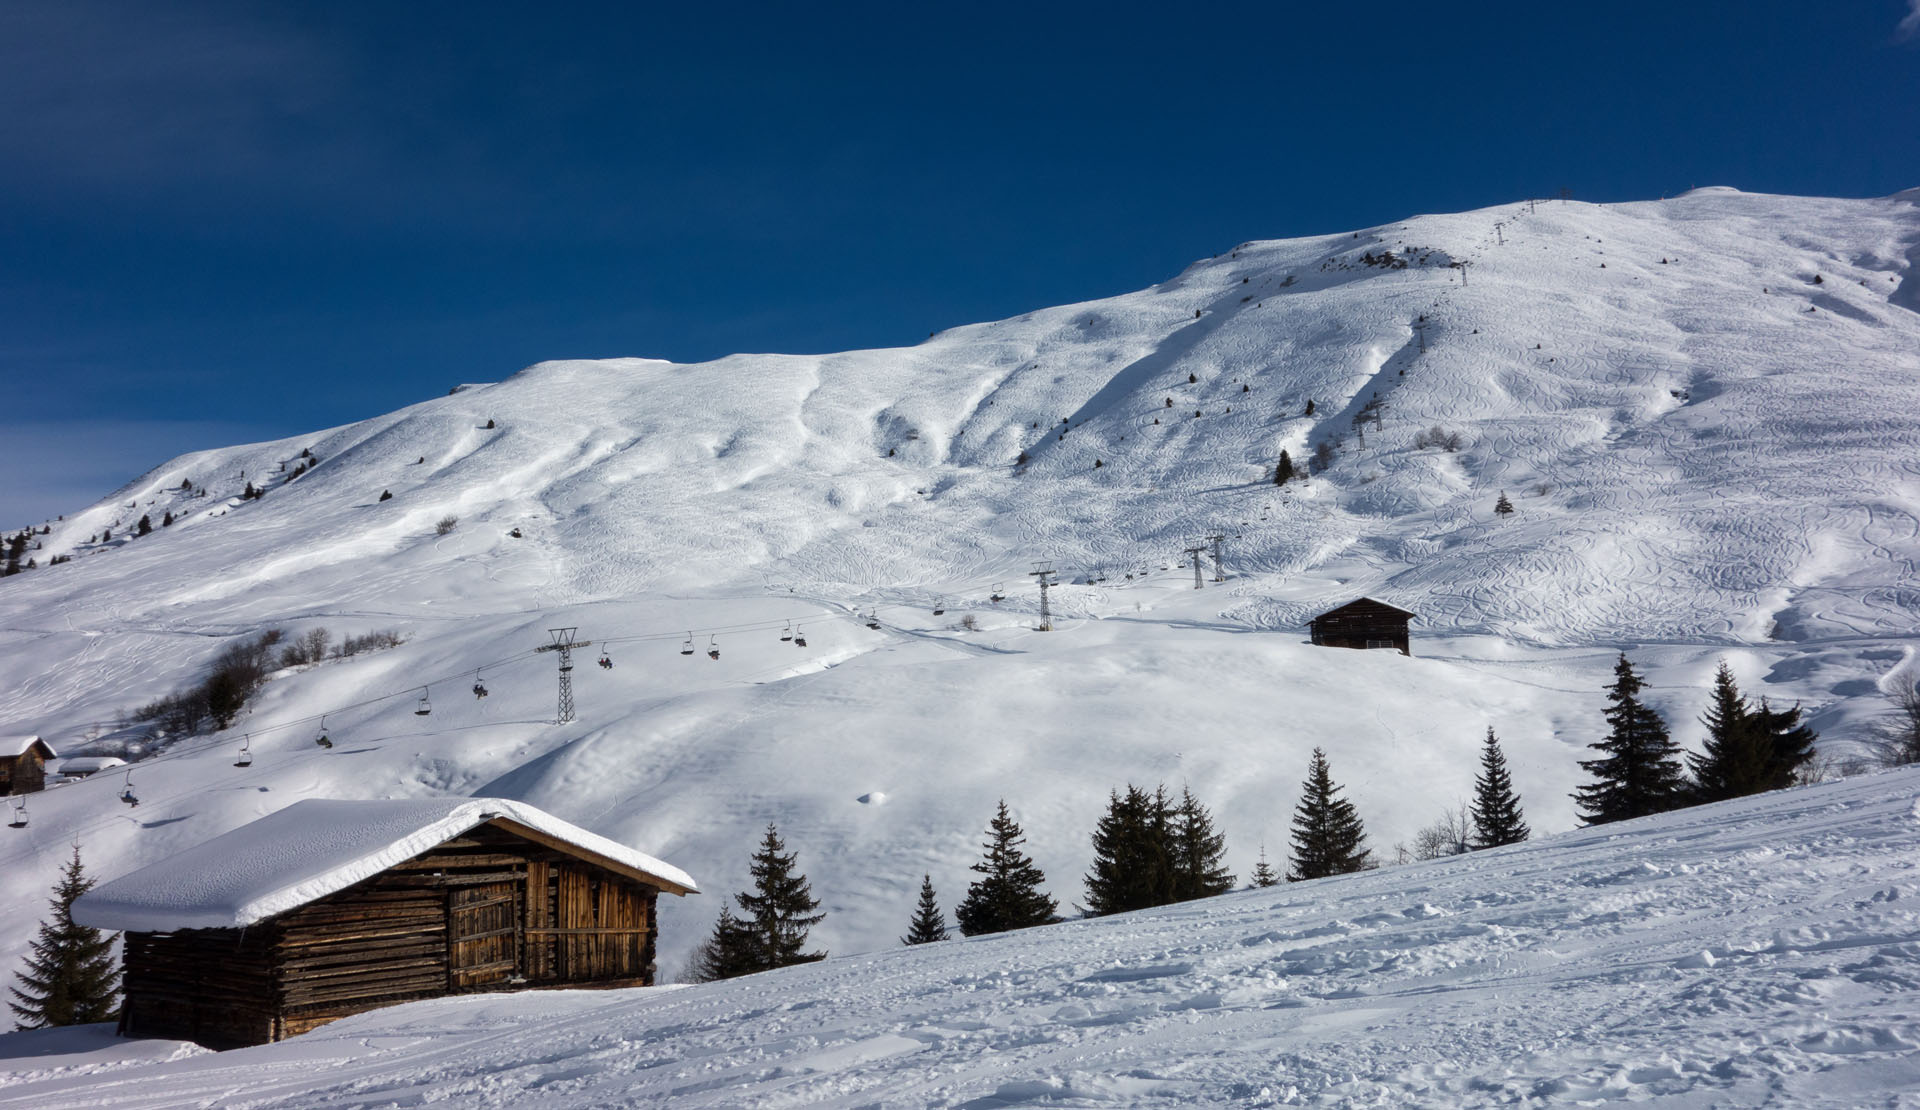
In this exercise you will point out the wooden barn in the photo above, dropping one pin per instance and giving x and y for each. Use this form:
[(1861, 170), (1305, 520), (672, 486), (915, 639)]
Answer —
[(1365, 623), (23, 764), (330, 908)]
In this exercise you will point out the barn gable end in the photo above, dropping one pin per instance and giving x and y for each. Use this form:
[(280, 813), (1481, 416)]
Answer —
[(1364, 623), (489, 909), (23, 764)]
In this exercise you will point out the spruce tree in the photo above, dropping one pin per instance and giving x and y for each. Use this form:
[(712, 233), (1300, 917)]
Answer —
[(1283, 473), (71, 977), (145, 526), (1784, 743), (1008, 895), (1199, 852), (1328, 838), (1732, 762), (1641, 772), (723, 955), (1503, 506), (928, 924), (1263, 872), (1496, 812), (1132, 853), (776, 916)]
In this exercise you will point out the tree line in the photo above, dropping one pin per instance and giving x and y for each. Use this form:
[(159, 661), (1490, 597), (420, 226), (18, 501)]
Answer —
[(1151, 848)]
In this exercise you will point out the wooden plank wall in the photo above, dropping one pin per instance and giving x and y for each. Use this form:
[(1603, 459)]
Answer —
[(485, 911), (25, 773), (214, 986), (1355, 625)]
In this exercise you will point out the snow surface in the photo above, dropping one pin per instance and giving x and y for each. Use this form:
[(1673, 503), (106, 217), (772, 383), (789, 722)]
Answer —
[(1711, 456), (1758, 952), (309, 850)]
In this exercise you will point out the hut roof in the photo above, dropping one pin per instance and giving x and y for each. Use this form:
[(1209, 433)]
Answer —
[(1370, 603), (316, 847), (90, 764), (11, 746)]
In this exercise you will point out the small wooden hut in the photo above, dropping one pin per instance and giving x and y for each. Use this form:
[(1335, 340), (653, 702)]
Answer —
[(330, 908), (23, 764), (1365, 623)]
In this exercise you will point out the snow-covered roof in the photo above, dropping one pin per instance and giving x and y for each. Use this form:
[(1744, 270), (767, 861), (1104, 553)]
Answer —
[(11, 746), (316, 847), (1366, 601), (89, 764)]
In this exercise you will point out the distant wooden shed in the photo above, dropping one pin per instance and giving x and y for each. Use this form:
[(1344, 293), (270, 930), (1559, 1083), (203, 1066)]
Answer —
[(1365, 623), (23, 764), (330, 908)]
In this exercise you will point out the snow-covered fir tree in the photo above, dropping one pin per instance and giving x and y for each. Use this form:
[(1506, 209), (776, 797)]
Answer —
[(928, 924), (1007, 895), (71, 977), (1641, 771), (1328, 838), (1497, 818)]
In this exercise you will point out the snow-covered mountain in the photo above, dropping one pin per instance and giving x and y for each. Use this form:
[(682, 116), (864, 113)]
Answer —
[(1754, 953), (1703, 411)]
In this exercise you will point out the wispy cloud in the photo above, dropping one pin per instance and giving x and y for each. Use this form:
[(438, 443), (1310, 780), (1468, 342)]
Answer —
[(1910, 26), (117, 93)]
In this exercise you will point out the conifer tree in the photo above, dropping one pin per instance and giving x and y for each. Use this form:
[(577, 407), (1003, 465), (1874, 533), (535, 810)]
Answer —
[(1503, 506), (1263, 872), (1732, 762), (70, 978), (1496, 812), (1784, 743), (166, 519), (1008, 895), (1328, 838), (145, 526), (928, 924), (1283, 473), (1641, 772), (776, 916), (1199, 852), (1132, 853), (724, 954)]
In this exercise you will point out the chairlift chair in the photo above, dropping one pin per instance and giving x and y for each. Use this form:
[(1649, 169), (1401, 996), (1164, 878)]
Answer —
[(245, 758), (713, 648), (606, 661), (999, 592), (126, 791), (321, 740), (687, 648), (786, 637), (426, 706), (940, 608), (873, 621), (479, 685), (799, 638), (19, 814)]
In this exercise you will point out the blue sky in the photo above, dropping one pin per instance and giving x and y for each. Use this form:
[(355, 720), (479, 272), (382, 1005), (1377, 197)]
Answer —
[(234, 221)]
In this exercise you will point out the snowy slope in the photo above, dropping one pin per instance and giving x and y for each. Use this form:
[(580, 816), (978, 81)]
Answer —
[(1759, 952), (1713, 454)]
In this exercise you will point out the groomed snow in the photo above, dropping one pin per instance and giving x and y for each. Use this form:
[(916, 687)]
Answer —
[(309, 850), (1760, 952)]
